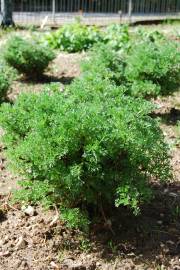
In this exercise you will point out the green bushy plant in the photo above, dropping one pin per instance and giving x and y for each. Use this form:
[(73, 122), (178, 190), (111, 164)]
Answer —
[(117, 36), (4, 83), (27, 56), (144, 88), (78, 37), (34, 192), (90, 144), (157, 63), (152, 36), (105, 62), (146, 69), (74, 37), (6, 77)]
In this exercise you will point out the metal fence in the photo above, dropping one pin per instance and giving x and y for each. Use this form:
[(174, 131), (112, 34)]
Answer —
[(93, 11)]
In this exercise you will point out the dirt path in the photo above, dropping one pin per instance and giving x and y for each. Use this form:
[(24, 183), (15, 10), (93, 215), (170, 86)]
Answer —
[(169, 114), (63, 70)]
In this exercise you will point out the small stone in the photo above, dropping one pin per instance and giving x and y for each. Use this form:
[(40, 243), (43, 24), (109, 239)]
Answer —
[(159, 257), (131, 254), (68, 261), (30, 211), (54, 221), (21, 243), (172, 194), (159, 222), (4, 254), (6, 239), (54, 265)]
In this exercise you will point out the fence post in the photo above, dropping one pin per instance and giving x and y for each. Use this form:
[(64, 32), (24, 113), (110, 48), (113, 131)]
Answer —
[(7, 13), (120, 16), (130, 10), (2, 6), (53, 10)]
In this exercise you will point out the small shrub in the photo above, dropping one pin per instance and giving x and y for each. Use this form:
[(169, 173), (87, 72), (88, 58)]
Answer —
[(144, 88), (117, 36), (152, 36), (74, 37), (6, 77), (78, 37), (105, 62), (27, 56), (157, 63), (90, 144), (4, 84), (146, 69)]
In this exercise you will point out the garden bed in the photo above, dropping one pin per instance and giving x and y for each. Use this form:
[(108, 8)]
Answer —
[(40, 241)]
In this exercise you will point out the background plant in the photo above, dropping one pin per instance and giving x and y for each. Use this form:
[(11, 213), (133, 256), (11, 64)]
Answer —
[(74, 37), (155, 63), (105, 62), (146, 35), (77, 37), (27, 56), (117, 36), (146, 68), (7, 75)]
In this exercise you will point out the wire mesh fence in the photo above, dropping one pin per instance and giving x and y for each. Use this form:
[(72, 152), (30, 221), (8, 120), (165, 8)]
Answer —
[(93, 11)]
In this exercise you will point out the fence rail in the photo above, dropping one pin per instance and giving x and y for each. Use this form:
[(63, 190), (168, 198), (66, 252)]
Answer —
[(93, 11)]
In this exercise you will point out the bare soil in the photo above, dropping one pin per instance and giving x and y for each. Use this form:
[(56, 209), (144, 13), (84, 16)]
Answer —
[(41, 241), (63, 70)]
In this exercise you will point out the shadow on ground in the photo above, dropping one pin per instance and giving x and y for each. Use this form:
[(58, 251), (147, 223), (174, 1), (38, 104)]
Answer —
[(153, 237), (2, 216), (2, 212), (169, 118), (47, 79)]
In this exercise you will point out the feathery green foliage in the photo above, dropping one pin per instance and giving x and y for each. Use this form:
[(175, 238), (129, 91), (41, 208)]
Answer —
[(7, 75), (146, 69), (90, 144), (27, 56), (157, 63), (93, 144)]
